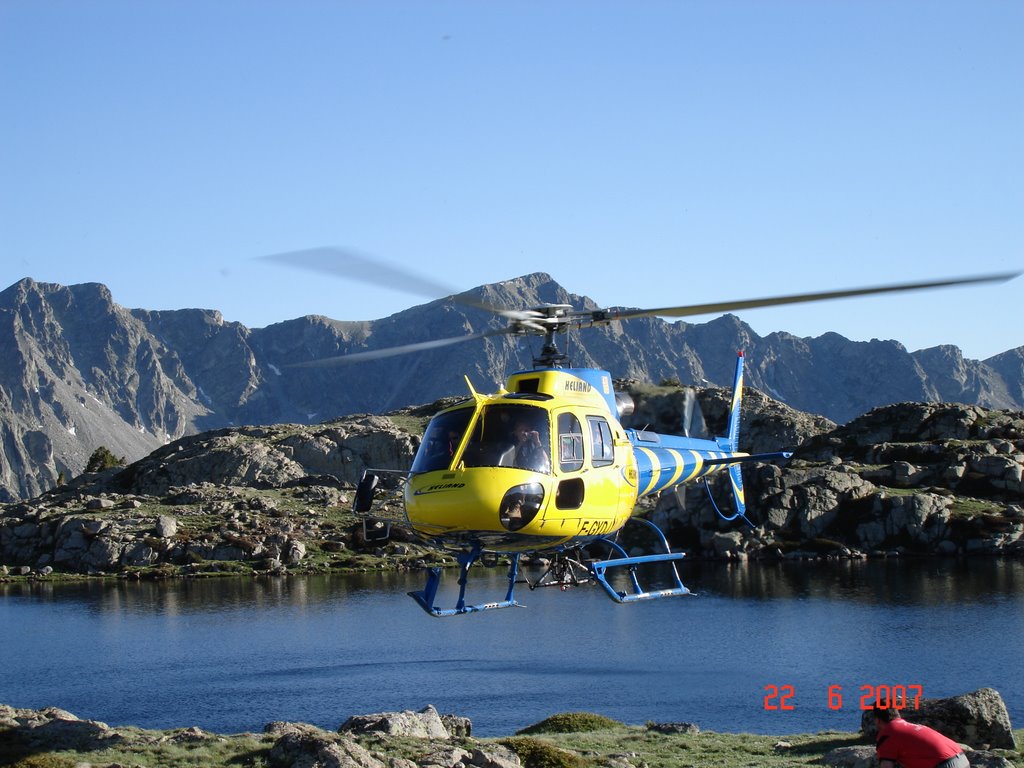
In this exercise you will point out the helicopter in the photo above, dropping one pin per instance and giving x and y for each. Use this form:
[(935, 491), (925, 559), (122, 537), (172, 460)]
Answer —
[(544, 465)]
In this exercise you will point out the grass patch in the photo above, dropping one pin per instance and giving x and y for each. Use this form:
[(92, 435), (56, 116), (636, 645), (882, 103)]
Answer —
[(968, 507), (656, 750), (536, 753), (890, 491), (572, 722), (148, 749), (413, 424)]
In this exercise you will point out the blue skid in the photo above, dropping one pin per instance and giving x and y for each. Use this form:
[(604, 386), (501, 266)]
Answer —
[(599, 568), (426, 596)]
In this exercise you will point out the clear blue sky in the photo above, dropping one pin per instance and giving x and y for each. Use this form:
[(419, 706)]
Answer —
[(644, 154)]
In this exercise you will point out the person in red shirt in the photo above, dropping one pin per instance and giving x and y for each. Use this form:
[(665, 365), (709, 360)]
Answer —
[(913, 746)]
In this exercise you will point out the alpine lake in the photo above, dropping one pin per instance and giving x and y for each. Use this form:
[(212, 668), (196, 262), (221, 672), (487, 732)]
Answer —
[(776, 648)]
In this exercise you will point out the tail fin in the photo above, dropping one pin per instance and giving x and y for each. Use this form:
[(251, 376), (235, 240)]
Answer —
[(732, 443), (734, 412)]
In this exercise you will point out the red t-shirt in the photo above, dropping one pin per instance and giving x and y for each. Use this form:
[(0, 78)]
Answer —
[(913, 746)]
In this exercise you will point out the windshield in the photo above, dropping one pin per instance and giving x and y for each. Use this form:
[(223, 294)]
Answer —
[(502, 436), (510, 436), (441, 440)]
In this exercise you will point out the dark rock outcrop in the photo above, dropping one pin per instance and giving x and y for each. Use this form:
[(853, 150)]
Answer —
[(927, 478), (978, 719), (150, 512), (77, 371)]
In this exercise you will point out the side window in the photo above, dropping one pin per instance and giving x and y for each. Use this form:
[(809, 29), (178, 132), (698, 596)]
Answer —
[(601, 439), (570, 443)]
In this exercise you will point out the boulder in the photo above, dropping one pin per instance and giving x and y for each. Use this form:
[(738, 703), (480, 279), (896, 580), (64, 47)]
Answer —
[(425, 724), (55, 730), (978, 719), (166, 526), (305, 746), (984, 759), (457, 727), (864, 757), (493, 756), (851, 757), (672, 728)]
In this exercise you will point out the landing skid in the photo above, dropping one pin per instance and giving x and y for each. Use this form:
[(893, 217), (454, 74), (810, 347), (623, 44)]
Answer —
[(427, 595), (599, 569), (564, 572)]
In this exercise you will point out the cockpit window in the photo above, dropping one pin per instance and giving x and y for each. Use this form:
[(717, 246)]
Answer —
[(510, 436), (570, 443), (441, 441)]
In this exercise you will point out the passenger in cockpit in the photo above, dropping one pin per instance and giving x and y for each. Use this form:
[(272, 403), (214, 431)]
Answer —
[(530, 451)]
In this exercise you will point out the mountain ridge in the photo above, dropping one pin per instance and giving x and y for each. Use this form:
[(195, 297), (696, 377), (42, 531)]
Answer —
[(78, 371)]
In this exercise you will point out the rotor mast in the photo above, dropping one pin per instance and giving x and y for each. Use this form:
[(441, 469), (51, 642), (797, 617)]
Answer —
[(549, 319)]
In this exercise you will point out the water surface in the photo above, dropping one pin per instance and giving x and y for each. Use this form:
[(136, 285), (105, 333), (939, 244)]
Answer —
[(231, 655)]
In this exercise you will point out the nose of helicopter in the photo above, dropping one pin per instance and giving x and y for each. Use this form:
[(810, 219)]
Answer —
[(474, 500)]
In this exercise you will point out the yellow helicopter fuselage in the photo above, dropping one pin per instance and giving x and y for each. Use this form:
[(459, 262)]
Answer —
[(573, 478)]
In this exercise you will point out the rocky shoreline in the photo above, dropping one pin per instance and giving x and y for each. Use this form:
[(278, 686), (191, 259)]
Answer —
[(426, 738), (904, 480)]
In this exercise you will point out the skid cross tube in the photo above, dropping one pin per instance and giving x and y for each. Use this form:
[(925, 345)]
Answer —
[(599, 567), (426, 596)]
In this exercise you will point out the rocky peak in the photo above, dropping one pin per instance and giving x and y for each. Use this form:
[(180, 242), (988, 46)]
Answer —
[(77, 371)]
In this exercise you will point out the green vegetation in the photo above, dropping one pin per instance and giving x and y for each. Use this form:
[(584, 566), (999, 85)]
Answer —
[(618, 744), (965, 506), (572, 722), (147, 749), (102, 459), (536, 753), (414, 425), (890, 491)]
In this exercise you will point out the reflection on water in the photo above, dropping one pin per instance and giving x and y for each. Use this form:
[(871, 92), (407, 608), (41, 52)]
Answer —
[(234, 654), (920, 581), (227, 594)]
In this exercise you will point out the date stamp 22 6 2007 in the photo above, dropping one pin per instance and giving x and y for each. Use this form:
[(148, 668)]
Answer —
[(782, 698)]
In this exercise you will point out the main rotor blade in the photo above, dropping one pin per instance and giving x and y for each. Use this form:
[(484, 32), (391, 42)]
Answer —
[(351, 265), (403, 349), (728, 306)]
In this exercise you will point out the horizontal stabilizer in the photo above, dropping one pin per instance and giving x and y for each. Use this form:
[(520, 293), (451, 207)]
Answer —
[(746, 459)]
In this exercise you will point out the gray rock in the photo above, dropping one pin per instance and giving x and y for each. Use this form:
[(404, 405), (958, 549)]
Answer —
[(985, 759), (457, 727), (53, 729), (726, 543), (851, 757), (493, 756), (166, 526), (295, 552), (978, 719), (304, 746), (670, 728), (191, 735), (425, 724)]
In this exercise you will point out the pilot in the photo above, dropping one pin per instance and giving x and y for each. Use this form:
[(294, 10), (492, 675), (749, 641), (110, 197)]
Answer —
[(443, 445), (530, 450)]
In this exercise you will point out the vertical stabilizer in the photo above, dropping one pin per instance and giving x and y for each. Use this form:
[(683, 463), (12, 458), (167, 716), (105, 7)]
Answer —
[(735, 471), (734, 411)]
